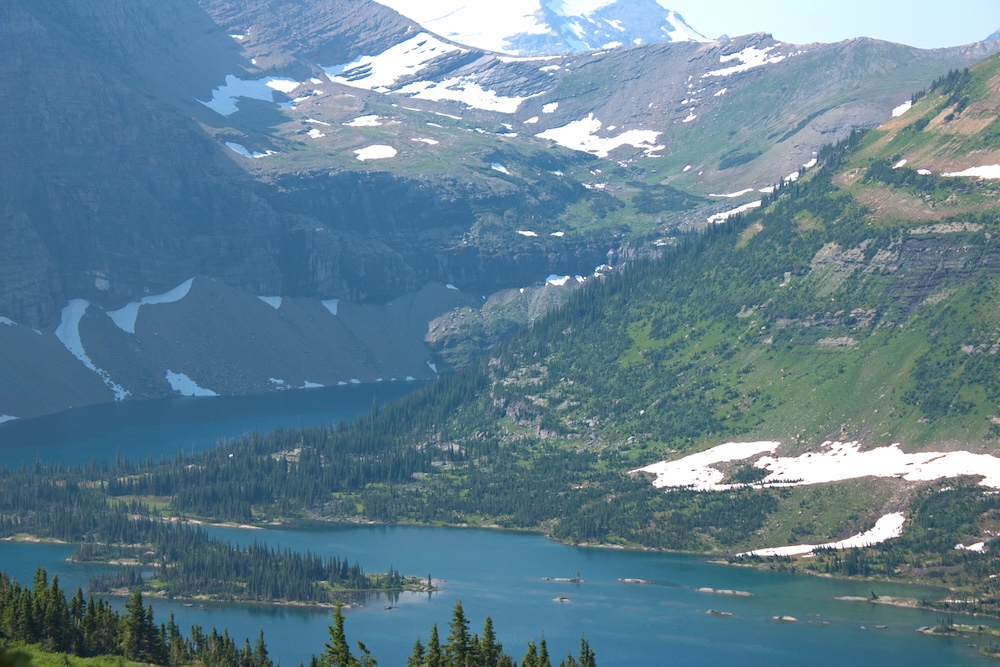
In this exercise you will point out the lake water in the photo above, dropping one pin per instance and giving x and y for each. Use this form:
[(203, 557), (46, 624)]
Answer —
[(159, 428), (504, 575)]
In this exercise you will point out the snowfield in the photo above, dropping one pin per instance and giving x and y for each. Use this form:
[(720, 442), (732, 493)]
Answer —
[(836, 462), (581, 135), (464, 22), (383, 70)]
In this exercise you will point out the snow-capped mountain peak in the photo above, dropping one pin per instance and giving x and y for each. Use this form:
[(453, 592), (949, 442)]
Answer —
[(538, 27)]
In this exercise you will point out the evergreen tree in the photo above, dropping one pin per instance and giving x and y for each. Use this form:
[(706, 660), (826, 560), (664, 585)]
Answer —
[(490, 649), (336, 652), (434, 658), (416, 658), (457, 649)]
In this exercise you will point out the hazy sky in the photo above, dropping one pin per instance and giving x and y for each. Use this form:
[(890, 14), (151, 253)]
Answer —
[(923, 23)]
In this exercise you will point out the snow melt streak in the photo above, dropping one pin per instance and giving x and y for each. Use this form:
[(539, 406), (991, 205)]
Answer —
[(68, 333)]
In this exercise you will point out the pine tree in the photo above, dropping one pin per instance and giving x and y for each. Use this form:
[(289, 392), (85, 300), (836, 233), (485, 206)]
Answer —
[(416, 658), (434, 649), (457, 649), (489, 648), (336, 652)]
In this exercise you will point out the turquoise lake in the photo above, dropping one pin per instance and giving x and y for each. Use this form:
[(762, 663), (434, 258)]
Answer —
[(502, 574)]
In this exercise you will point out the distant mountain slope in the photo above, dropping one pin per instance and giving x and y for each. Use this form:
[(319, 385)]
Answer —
[(333, 149), (544, 27)]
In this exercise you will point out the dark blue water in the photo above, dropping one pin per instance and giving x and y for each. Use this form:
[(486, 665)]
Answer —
[(140, 429), (497, 573)]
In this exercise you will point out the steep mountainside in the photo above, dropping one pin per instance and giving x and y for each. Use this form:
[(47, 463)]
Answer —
[(847, 332), (335, 150)]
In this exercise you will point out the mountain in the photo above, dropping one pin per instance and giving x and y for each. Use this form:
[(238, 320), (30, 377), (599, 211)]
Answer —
[(823, 369), (334, 151), (994, 36), (545, 27)]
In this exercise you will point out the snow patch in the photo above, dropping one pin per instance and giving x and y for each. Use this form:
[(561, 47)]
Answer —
[(886, 528), (686, 169), (273, 301), (901, 163), (185, 386), (581, 135), (924, 172), (496, 166), (463, 89), (315, 134), (550, 107), (425, 140), (810, 164), (311, 385), (531, 121), (126, 316), (558, 234), (224, 98), (721, 217), (747, 59), (7, 418), (986, 172), (549, 68), (721, 92), (242, 150), (364, 121), (431, 365), (690, 117), (734, 194), (526, 232), (375, 152), (331, 305), (7, 321), (902, 108)]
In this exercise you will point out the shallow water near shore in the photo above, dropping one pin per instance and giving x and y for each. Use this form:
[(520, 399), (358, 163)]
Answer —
[(507, 575)]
